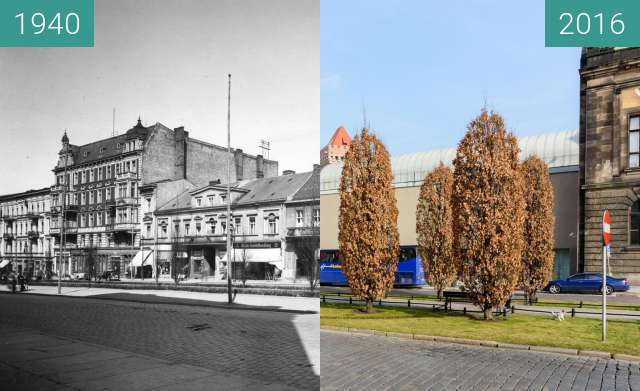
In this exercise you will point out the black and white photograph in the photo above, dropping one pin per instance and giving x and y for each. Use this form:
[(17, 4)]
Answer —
[(159, 201)]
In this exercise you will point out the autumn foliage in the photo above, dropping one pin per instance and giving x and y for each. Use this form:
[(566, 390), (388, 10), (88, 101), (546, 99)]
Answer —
[(537, 257), (434, 228), (368, 232), (489, 212)]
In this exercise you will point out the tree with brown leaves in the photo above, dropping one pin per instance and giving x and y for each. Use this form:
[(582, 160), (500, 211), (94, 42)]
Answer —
[(539, 226), (488, 209), (368, 223), (434, 228)]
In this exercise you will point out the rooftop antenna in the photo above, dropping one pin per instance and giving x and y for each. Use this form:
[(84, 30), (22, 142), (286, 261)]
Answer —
[(365, 123), (484, 94), (113, 123), (265, 147)]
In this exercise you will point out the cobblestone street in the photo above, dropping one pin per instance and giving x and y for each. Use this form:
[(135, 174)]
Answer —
[(276, 348), (353, 362)]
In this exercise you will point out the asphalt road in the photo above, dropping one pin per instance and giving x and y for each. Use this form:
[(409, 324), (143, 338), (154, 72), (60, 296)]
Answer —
[(266, 345), (355, 362)]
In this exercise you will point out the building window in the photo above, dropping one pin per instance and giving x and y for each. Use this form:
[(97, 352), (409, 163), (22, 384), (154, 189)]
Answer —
[(634, 224), (238, 223), (198, 201), (299, 218), (198, 228), (272, 224), (176, 230), (316, 217), (252, 225), (634, 142), (186, 229), (210, 200)]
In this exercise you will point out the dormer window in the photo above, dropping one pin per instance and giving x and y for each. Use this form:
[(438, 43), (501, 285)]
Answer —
[(198, 201), (101, 149), (119, 145), (85, 153)]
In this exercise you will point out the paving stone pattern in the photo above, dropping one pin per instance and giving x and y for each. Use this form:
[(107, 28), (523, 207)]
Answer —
[(360, 362), (255, 344)]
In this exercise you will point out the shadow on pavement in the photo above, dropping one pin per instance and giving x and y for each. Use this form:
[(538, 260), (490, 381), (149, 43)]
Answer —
[(255, 344)]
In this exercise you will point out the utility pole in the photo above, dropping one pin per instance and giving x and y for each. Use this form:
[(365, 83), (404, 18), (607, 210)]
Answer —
[(229, 261)]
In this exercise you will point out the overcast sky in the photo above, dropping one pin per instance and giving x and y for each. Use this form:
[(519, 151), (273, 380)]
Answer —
[(167, 61)]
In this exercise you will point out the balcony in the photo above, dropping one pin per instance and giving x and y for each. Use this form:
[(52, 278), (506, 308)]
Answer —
[(126, 201), (8, 236), (303, 231), (57, 188), (70, 227), (33, 234), (123, 226), (8, 217), (126, 176)]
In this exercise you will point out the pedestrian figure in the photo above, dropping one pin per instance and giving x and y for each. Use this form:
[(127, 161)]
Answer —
[(12, 281), (21, 280)]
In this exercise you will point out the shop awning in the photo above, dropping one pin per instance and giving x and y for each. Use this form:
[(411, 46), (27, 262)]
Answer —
[(4, 263), (270, 255), (143, 258)]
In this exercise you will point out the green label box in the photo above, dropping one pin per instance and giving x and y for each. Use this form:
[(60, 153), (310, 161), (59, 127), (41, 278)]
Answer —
[(46, 23), (592, 23)]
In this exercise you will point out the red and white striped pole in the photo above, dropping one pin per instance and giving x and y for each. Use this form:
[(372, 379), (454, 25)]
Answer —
[(606, 240)]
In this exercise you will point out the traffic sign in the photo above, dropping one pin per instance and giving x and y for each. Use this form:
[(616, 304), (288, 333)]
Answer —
[(606, 228)]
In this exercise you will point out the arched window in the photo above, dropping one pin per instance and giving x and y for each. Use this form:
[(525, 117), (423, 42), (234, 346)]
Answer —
[(634, 224)]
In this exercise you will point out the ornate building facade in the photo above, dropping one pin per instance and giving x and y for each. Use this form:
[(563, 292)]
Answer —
[(100, 183), (336, 148), (610, 158), (25, 244)]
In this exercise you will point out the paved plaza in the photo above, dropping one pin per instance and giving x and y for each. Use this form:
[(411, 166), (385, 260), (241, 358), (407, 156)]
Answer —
[(49, 342), (363, 362)]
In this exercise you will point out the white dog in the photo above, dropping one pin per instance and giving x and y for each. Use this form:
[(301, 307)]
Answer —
[(558, 315)]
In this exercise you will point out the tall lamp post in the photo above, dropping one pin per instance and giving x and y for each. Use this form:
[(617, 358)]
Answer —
[(229, 263)]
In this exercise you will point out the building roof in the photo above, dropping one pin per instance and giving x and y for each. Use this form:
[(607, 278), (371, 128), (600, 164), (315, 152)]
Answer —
[(311, 188), (340, 137), (263, 190), (273, 189), (25, 194), (558, 150)]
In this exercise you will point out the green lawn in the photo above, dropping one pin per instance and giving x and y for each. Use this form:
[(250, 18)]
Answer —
[(577, 333)]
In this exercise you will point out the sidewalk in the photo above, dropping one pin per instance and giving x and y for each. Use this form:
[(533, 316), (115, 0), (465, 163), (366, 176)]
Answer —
[(33, 361), (266, 302)]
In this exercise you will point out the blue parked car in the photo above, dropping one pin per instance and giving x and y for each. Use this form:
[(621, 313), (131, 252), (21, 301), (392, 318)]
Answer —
[(587, 282)]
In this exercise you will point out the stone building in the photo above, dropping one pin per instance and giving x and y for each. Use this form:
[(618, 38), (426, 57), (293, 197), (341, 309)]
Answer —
[(25, 244), (187, 228), (610, 157), (103, 205), (336, 148), (558, 150)]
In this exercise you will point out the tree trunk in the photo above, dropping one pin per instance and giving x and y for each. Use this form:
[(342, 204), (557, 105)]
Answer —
[(439, 293), (532, 297), (369, 306), (488, 314)]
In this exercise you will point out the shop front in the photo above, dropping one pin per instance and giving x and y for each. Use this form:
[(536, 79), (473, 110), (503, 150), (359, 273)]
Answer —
[(257, 261)]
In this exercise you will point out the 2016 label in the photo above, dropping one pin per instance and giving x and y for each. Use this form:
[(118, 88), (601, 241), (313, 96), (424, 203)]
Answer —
[(582, 25)]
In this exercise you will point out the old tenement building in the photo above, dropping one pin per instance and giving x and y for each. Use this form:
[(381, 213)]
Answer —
[(186, 227), (102, 209), (25, 244), (610, 157)]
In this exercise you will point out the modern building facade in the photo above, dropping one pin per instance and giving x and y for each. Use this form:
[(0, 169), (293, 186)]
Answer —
[(25, 244), (100, 183), (336, 148), (188, 230), (610, 158), (558, 150)]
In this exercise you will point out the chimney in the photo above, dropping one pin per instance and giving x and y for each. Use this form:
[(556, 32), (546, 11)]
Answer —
[(259, 166), (180, 141), (238, 157), (288, 172), (316, 168)]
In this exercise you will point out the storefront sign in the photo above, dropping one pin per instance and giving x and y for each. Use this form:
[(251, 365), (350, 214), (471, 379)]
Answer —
[(256, 245)]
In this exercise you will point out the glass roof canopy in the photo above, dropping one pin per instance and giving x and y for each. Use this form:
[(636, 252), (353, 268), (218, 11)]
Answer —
[(559, 150)]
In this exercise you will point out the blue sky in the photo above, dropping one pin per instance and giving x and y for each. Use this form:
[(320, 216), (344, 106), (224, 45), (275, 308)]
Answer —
[(423, 68)]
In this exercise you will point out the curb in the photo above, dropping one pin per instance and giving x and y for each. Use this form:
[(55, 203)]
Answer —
[(242, 307), (492, 344), (266, 291)]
